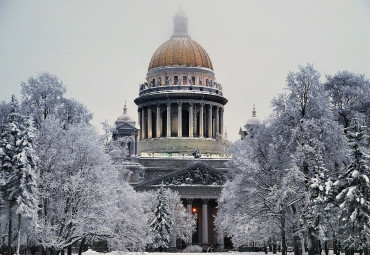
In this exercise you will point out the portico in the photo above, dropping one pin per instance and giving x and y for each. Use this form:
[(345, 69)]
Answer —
[(199, 187)]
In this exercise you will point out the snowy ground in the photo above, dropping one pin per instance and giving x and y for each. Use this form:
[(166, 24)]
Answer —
[(90, 252)]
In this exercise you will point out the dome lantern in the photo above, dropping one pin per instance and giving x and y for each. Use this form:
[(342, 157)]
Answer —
[(125, 108), (180, 22), (254, 120)]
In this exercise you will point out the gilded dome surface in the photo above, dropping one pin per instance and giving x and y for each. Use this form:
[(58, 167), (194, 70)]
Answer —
[(180, 51)]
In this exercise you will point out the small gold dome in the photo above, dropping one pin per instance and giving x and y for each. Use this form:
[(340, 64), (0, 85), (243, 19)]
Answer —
[(180, 51)]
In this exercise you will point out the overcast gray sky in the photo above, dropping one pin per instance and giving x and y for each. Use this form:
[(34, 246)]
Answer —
[(101, 49)]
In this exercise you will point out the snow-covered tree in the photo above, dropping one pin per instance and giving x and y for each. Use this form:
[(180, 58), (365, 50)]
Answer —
[(18, 171), (183, 223), (4, 111), (304, 118), (352, 190), (84, 197), (77, 184), (44, 95), (274, 174), (70, 111), (117, 150), (350, 97), (162, 225), (253, 206), (41, 95)]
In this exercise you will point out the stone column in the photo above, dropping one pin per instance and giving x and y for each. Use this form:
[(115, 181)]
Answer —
[(173, 241), (189, 206), (195, 123), (205, 221), (158, 122), (143, 124), (140, 124), (179, 119), (133, 145), (201, 125), (149, 123), (191, 114), (217, 121), (168, 119), (222, 121), (210, 121)]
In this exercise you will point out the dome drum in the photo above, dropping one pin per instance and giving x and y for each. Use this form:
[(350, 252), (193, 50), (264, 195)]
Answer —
[(182, 76), (178, 119)]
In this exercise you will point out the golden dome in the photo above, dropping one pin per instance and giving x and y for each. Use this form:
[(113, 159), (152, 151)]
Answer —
[(180, 51)]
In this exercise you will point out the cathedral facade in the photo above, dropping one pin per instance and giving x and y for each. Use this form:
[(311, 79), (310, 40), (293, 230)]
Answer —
[(181, 140)]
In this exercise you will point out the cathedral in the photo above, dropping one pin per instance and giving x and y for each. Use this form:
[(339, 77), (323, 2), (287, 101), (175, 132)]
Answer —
[(181, 141)]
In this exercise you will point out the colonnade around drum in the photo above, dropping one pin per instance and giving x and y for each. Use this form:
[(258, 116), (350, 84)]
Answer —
[(181, 119)]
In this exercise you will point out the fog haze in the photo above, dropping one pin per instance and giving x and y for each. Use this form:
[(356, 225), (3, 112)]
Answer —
[(101, 49)]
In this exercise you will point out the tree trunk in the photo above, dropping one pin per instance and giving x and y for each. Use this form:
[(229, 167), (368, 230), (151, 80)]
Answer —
[(10, 226), (295, 242), (312, 242), (69, 251), (339, 248), (264, 248), (19, 234), (81, 245), (366, 250), (326, 247), (303, 247), (270, 245), (62, 252), (33, 250), (283, 236), (274, 250)]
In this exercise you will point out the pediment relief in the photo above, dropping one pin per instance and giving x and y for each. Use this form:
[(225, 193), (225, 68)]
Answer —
[(195, 175), (125, 126)]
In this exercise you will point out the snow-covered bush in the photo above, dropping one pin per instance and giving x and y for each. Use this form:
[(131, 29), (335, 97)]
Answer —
[(193, 248)]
